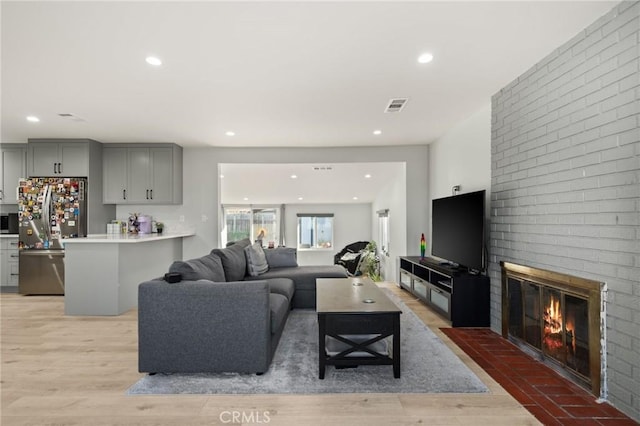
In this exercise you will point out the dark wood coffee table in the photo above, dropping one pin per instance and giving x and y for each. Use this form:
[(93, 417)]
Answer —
[(356, 313)]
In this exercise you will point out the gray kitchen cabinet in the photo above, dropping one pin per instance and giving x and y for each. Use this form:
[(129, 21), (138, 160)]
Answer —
[(14, 166), (9, 261), (54, 157), (142, 174), (115, 175)]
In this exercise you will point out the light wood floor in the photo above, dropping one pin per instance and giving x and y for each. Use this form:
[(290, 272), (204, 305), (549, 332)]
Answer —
[(60, 370)]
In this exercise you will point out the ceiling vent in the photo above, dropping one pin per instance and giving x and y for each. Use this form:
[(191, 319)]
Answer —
[(322, 168), (396, 105), (70, 116)]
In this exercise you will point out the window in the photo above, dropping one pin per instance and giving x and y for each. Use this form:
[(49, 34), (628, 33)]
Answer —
[(253, 222), (383, 231), (315, 231)]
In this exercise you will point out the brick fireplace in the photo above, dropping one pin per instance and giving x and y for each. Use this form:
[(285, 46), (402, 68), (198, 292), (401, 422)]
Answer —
[(557, 318)]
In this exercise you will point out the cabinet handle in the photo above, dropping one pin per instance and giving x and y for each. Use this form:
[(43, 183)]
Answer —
[(14, 275), (437, 290), (151, 192), (54, 168), (124, 194), (147, 194), (1, 194), (14, 255), (59, 167)]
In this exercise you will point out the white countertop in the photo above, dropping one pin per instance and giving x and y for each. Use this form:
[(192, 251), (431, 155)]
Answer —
[(126, 238)]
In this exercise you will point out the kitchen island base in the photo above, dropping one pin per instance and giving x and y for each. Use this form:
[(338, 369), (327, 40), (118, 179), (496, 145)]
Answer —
[(103, 274)]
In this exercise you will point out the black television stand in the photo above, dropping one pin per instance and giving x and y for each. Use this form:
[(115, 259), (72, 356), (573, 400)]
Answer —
[(458, 295)]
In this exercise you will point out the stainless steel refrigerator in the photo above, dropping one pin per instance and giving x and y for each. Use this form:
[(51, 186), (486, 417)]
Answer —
[(49, 211)]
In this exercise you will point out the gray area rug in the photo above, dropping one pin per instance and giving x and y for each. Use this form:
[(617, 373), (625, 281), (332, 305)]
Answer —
[(427, 366)]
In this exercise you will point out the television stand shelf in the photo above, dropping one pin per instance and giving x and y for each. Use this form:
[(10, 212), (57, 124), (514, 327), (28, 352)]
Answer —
[(459, 296)]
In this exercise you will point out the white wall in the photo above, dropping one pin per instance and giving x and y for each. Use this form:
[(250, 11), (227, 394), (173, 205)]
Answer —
[(462, 157), (351, 223), (200, 206)]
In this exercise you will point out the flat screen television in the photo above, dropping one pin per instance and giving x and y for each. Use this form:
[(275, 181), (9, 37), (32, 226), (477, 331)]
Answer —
[(457, 229)]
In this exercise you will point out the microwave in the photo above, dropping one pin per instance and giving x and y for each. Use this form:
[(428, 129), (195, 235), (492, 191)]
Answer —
[(9, 223)]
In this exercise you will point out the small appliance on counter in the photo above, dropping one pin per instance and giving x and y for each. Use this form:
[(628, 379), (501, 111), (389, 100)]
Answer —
[(9, 223), (144, 224)]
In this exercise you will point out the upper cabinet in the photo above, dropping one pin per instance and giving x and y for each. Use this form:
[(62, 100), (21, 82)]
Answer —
[(14, 167), (142, 174), (55, 157)]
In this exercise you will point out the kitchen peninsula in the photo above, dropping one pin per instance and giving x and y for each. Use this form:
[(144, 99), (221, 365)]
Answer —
[(102, 272)]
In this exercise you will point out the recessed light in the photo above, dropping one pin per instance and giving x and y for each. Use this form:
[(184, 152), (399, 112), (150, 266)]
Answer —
[(425, 58), (294, 176), (367, 176), (300, 198), (355, 198), (152, 60), (221, 176), (377, 132), (230, 133), (33, 119), (246, 198)]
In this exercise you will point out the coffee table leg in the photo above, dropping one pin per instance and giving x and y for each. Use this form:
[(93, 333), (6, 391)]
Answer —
[(321, 341), (396, 346)]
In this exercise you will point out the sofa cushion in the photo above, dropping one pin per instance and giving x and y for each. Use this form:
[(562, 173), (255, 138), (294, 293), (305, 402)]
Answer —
[(256, 260), (283, 286), (281, 257), (203, 268), (279, 306), (234, 262), (304, 277)]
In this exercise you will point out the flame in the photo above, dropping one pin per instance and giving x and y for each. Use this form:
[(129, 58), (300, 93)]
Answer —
[(553, 323), (553, 317)]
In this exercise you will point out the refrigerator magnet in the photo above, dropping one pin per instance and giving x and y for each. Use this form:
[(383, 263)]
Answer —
[(72, 223)]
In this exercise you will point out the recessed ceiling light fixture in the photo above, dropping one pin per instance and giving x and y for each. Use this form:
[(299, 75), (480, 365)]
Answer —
[(367, 176), (221, 176), (33, 119), (230, 133), (300, 198), (246, 198), (355, 198), (152, 60), (377, 132), (425, 58), (294, 176)]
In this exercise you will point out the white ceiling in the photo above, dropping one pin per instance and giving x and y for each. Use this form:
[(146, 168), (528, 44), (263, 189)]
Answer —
[(286, 74), (307, 73)]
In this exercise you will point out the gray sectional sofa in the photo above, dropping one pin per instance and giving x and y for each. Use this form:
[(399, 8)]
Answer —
[(227, 312)]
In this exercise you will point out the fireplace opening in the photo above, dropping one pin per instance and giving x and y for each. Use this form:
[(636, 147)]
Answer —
[(555, 318)]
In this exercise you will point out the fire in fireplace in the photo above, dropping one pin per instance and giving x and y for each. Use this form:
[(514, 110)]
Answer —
[(556, 318)]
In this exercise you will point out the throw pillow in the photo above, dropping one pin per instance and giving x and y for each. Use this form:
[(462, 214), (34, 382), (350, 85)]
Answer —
[(234, 262), (203, 268), (256, 260), (281, 257)]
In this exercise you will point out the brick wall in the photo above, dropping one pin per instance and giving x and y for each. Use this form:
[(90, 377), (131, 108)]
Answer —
[(565, 182)]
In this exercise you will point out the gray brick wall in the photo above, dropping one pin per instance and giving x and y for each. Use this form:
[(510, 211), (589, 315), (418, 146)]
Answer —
[(565, 181)]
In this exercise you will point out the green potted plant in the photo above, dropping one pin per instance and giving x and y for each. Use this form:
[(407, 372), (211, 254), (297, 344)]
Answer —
[(159, 227), (370, 262)]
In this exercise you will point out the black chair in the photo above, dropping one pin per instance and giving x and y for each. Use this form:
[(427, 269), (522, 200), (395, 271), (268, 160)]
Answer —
[(349, 257)]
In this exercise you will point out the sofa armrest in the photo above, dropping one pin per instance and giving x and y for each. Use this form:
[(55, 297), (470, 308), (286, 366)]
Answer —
[(201, 326)]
